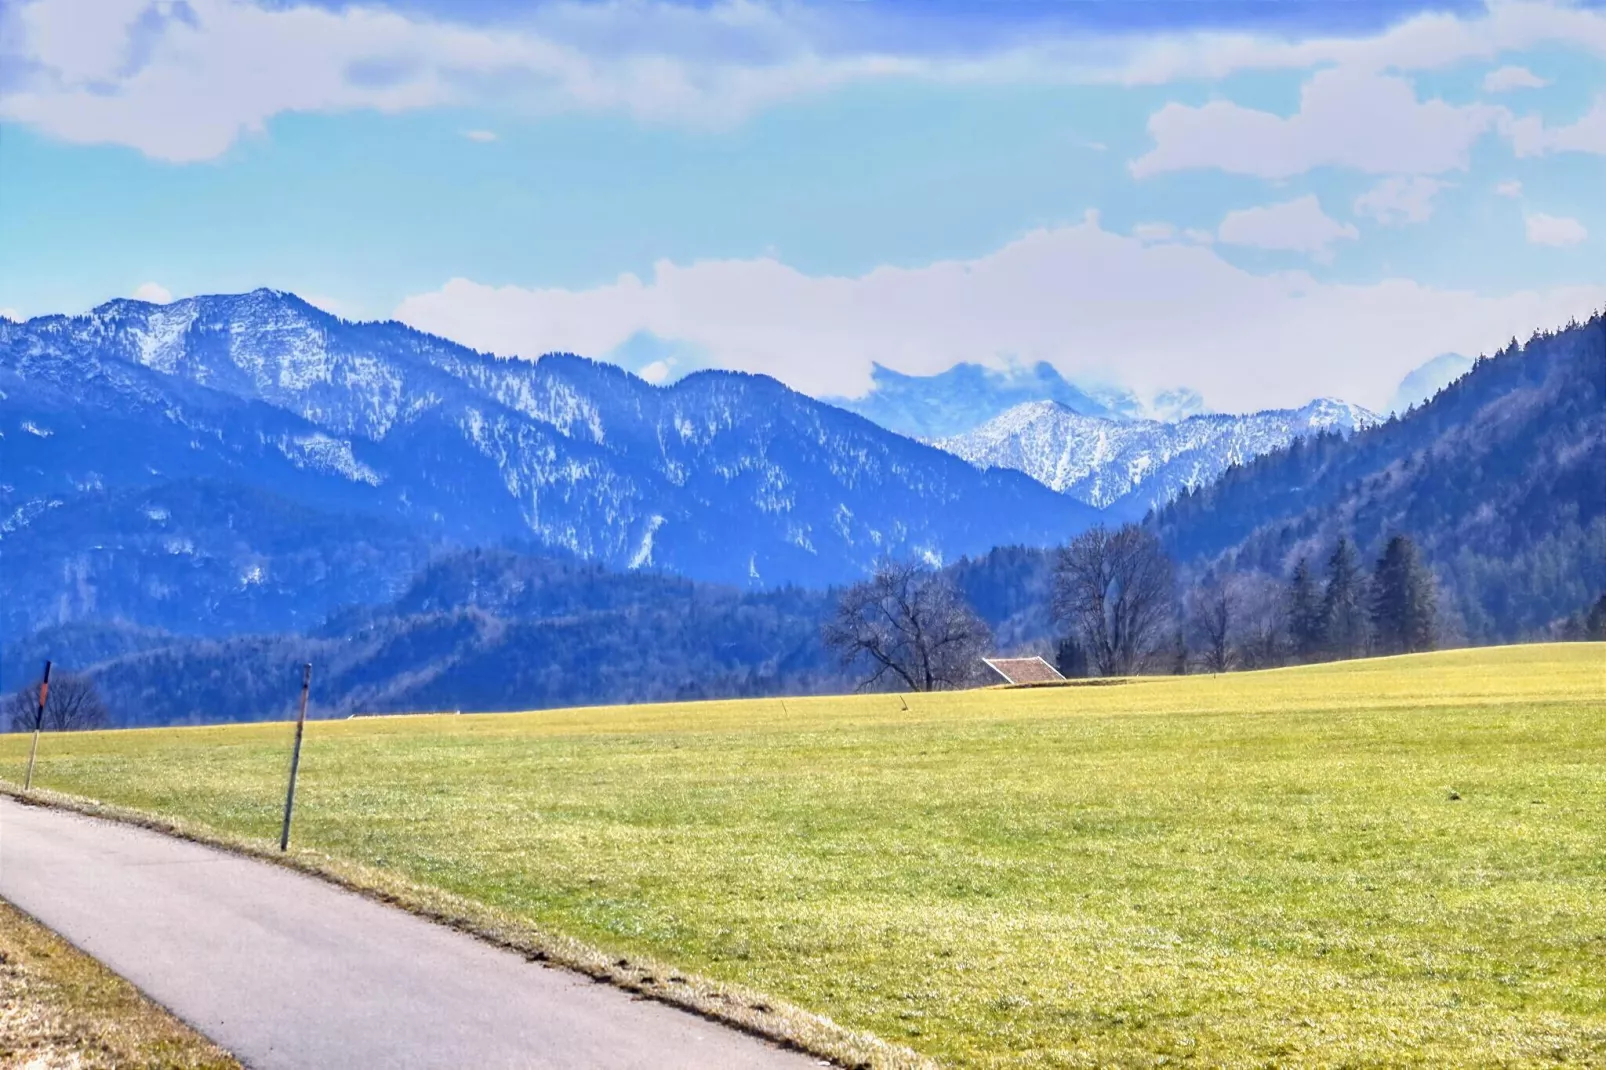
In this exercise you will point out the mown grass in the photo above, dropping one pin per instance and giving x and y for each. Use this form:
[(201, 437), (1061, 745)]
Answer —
[(61, 1010), (1398, 861)]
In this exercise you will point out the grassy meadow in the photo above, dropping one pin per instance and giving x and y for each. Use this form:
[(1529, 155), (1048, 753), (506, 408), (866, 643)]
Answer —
[(1399, 861)]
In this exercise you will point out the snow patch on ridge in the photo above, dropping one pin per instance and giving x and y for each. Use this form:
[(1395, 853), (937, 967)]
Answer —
[(324, 453)]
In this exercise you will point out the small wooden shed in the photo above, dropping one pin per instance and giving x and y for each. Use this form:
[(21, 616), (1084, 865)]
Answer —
[(1024, 670)]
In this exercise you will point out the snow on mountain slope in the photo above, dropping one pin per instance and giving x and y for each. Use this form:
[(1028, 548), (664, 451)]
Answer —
[(720, 476), (1128, 466)]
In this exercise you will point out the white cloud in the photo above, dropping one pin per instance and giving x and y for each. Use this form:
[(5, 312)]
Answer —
[(656, 372), (1400, 199), (1348, 117), (1429, 41), (1512, 189), (183, 81), (1198, 236), (154, 292), (1531, 137), (332, 305), (11, 314), (1154, 232), (1553, 229), (1505, 79), (1090, 301), (1296, 226), (482, 136)]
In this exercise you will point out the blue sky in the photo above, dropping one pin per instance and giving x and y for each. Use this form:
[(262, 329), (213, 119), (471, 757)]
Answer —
[(1265, 202)]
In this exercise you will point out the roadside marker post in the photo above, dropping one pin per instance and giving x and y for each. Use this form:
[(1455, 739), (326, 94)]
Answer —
[(38, 723), (295, 758)]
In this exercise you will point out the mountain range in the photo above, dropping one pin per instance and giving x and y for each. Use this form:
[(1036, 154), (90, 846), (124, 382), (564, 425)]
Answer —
[(186, 465), (1126, 467), (190, 541)]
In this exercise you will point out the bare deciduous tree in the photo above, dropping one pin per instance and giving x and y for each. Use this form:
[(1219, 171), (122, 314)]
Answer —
[(910, 625), (73, 705), (1212, 621), (1263, 638), (1115, 589)]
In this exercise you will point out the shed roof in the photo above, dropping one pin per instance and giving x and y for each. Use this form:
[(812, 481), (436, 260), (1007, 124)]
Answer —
[(1024, 670)]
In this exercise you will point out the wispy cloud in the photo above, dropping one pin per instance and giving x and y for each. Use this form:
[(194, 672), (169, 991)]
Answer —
[(1553, 230), (482, 136), (1531, 137), (1512, 189), (154, 292), (1401, 199), (1150, 232), (1296, 226), (1505, 79)]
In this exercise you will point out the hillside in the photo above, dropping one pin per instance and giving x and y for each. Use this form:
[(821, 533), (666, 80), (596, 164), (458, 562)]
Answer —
[(1127, 467), (1500, 478), (488, 630), (417, 443)]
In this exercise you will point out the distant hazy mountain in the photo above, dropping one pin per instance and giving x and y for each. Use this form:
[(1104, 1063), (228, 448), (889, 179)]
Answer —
[(966, 396), (1179, 404), (1129, 466), (151, 456), (1428, 379)]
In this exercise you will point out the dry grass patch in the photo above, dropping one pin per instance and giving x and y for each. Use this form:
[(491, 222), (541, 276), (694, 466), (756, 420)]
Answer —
[(62, 1010)]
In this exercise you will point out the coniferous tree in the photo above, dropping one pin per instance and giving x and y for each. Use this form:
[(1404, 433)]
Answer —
[(1405, 604), (1179, 654), (1595, 622), (1071, 659), (1306, 626), (1344, 613)]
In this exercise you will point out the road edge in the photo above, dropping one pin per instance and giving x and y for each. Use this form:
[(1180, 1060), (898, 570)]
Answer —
[(97, 1008), (729, 1005)]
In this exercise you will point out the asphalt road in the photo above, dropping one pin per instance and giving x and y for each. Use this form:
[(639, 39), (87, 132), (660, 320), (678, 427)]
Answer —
[(285, 970)]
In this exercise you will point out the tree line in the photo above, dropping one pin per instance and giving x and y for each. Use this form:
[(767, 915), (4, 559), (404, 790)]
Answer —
[(1120, 610)]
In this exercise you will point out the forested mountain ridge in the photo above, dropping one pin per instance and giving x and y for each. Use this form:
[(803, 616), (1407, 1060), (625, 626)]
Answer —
[(1500, 479), (422, 444), (478, 630)]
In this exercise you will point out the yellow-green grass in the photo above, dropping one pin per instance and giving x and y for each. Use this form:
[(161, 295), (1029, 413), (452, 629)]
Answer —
[(61, 1010), (1394, 861)]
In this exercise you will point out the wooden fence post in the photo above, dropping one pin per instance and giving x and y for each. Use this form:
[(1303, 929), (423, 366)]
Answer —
[(295, 758), (38, 723)]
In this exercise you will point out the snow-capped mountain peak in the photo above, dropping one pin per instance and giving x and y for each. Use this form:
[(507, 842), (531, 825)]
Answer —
[(1129, 466)]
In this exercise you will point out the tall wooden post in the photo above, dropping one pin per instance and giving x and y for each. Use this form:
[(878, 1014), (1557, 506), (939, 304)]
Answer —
[(38, 723), (295, 758)]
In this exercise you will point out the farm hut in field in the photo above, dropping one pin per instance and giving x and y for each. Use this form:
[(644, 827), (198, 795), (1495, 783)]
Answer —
[(1024, 670)]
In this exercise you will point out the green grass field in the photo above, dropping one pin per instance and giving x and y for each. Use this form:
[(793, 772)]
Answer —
[(1398, 861)]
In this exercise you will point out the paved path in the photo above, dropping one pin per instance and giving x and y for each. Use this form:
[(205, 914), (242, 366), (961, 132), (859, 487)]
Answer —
[(287, 971)]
